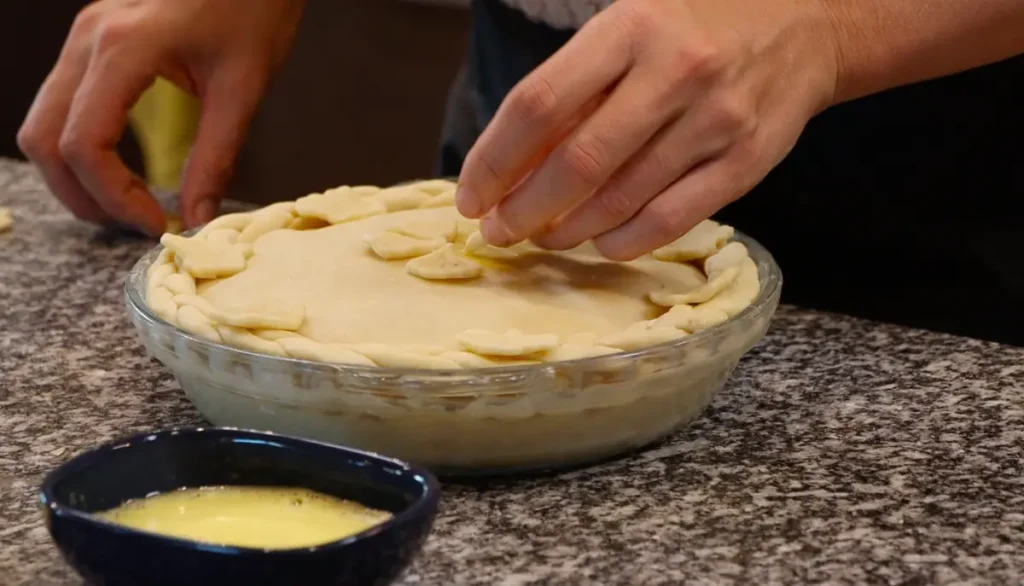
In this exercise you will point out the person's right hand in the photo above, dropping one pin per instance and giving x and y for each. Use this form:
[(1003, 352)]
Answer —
[(223, 51)]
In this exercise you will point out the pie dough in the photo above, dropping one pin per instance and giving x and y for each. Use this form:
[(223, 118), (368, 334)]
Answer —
[(396, 277)]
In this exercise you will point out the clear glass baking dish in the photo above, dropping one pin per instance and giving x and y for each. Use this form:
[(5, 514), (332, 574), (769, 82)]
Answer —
[(472, 421)]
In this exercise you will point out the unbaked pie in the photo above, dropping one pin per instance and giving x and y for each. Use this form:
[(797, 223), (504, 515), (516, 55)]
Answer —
[(395, 277)]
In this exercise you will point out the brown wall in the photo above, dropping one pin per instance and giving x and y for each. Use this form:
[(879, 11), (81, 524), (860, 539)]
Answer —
[(360, 99), (31, 35)]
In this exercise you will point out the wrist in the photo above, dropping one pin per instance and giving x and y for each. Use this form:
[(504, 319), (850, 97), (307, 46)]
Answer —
[(842, 36), (822, 58)]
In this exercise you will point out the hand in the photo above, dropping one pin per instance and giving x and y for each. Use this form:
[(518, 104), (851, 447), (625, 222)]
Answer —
[(223, 51), (696, 100)]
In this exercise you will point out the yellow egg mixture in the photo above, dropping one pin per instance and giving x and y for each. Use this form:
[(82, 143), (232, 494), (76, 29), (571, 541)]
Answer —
[(248, 516)]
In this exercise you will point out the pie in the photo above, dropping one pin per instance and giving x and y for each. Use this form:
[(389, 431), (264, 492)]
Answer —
[(395, 277)]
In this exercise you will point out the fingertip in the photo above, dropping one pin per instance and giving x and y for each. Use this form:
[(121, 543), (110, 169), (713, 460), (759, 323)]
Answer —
[(495, 232), (151, 224), (553, 240), (612, 248), (202, 211), (150, 217)]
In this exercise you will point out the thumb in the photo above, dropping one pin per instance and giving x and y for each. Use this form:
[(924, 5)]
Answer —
[(228, 104)]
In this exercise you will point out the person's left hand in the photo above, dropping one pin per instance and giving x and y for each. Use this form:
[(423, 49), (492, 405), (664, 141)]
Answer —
[(654, 116)]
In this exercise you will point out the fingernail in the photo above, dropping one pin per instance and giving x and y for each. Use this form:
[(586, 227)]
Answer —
[(548, 241), (467, 202), (204, 210), (494, 232)]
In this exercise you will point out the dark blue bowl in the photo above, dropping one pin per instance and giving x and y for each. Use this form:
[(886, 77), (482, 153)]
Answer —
[(105, 553)]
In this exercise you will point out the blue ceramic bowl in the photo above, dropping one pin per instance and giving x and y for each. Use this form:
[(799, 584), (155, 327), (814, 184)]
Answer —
[(109, 554)]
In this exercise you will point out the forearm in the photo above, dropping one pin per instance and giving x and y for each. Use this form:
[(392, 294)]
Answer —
[(886, 43)]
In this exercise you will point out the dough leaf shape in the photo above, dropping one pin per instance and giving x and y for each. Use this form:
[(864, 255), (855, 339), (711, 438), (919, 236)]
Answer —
[(180, 284), (577, 351), (468, 359), (700, 294), (685, 317), (703, 240), (392, 245), (443, 264), (235, 222), (641, 335), (442, 200), (465, 227), (435, 187), (731, 255), (268, 219), (302, 223), (222, 235), (206, 259), (339, 205), (511, 343), (272, 316), (477, 246), (402, 197), (739, 294), (428, 230)]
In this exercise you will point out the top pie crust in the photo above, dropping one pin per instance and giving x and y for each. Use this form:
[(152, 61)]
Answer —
[(396, 277)]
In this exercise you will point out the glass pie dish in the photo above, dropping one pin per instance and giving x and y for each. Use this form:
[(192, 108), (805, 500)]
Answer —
[(497, 420)]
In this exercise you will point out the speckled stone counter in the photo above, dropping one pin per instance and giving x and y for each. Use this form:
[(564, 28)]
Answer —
[(841, 451)]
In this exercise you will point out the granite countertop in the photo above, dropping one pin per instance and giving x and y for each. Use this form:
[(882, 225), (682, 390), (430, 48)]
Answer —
[(841, 451)]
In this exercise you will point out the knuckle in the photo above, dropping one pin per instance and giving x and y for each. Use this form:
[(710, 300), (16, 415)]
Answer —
[(113, 33), (585, 158), (615, 203), (87, 19), (74, 150), (697, 61), (732, 114), (482, 162), (534, 101), (665, 222), (32, 143), (708, 60), (515, 226), (660, 163), (636, 19)]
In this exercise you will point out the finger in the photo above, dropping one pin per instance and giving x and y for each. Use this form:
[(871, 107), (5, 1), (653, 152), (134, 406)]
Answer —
[(97, 118), (586, 159), (229, 102), (699, 194), (703, 133), (39, 136), (538, 107)]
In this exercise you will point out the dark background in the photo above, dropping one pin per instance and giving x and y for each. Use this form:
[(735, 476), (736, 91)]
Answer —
[(359, 100)]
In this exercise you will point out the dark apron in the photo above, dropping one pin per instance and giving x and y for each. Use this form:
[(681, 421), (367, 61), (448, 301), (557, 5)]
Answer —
[(903, 207)]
